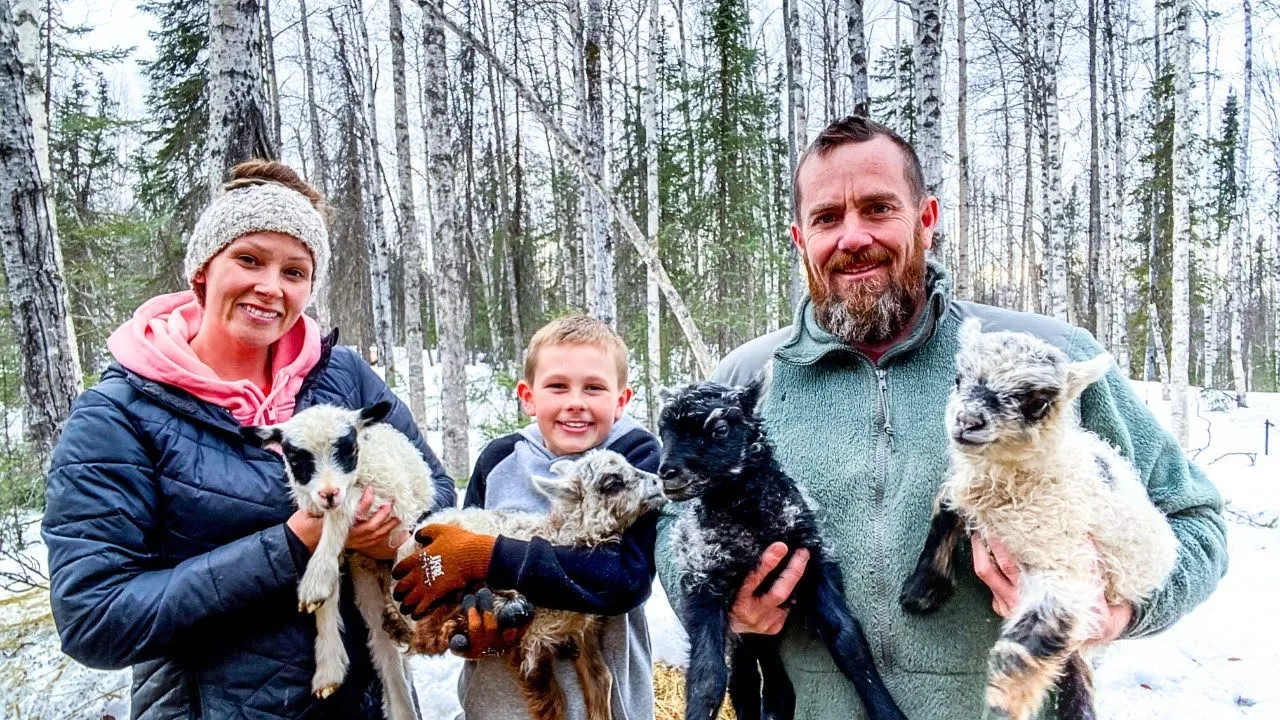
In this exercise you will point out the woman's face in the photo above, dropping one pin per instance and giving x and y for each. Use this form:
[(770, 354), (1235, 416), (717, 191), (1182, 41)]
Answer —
[(256, 287)]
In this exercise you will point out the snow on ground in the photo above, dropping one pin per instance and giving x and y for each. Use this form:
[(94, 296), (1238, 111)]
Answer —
[(1220, 661)]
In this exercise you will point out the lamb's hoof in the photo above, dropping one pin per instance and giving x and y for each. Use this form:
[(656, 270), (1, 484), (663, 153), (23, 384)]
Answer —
[(514, 613), (326, 691), (459, 643), (309, 607), (923, 593)]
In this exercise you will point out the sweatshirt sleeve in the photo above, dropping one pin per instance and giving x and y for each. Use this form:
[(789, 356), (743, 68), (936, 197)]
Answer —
[(610, 579), (1175, 485)]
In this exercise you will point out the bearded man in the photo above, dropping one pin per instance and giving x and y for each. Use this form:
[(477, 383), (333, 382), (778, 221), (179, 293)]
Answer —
[(855, 407)]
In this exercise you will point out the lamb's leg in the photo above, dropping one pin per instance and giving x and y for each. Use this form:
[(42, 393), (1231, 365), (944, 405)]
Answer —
[(1075, 690), (744, 678), (537, 683), (320, 580), (779, 696), (706, 618), (593, 674), (842, 634), (331, 656), (1033, 648), (431, 634), (930, 584), (397, 704)]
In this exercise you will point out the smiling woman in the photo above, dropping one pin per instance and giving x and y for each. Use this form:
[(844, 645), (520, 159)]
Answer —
[(175, 547)]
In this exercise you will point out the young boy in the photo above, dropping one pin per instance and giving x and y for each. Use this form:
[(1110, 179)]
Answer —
[(575, 388)]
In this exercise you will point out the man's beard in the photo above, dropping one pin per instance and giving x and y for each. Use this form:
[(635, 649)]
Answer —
[(874, 311)]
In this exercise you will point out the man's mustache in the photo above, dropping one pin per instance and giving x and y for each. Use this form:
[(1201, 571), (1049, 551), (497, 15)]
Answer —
[(843, 260)]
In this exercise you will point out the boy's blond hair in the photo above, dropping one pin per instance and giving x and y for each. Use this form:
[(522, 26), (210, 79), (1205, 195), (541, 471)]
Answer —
[(577, 330)]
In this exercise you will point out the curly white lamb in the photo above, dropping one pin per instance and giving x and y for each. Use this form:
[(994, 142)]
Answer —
[(1068, 506), (594, 499), (331, 454)]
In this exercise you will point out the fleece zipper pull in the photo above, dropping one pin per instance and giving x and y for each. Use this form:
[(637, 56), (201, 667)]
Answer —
[(882, 376)]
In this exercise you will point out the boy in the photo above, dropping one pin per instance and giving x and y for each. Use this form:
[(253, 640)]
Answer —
[(575, 388)]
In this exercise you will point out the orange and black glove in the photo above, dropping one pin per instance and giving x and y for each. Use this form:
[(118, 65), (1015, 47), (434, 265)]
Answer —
[(450, 560), (486, 634)]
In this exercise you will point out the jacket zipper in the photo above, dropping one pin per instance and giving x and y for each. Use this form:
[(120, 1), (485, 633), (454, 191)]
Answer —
[(884, 446)]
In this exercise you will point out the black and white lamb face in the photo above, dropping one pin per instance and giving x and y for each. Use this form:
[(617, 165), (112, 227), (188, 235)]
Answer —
[(706, 431), (321, 450), (1010, 386), (603, 487)]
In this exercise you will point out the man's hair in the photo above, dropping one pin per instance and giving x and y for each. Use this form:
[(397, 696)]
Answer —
[(577, 330), (857, 129)]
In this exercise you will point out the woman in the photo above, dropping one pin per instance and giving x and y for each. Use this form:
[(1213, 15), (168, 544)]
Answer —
[(173, 546)]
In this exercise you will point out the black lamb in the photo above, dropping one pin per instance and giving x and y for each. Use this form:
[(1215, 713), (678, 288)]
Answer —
[(716, 456)]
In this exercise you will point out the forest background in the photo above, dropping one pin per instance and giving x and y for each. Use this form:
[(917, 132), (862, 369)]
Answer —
[(492, 164)]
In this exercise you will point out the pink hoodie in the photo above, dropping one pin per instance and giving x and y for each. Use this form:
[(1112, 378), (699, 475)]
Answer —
[(154, 343)]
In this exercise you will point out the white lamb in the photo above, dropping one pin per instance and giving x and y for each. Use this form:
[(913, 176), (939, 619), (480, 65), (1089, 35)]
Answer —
[(331, 454), (1067, 505), (594, 499)]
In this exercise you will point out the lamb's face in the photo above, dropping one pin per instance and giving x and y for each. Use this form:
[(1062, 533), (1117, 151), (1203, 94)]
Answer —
[(603, 489), (706, 430), (321, 451), (1010, 386)]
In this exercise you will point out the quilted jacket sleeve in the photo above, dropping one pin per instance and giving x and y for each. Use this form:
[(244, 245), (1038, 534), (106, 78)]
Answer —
[(115, 600), (373, 390)]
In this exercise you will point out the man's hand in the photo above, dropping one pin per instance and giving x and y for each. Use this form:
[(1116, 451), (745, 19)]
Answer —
[(377, 536), (764, 615), (995, 566), (451, 559), (484, 636)]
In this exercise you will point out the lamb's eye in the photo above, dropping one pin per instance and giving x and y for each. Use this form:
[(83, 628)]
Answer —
[(958, 377), (720, 431)]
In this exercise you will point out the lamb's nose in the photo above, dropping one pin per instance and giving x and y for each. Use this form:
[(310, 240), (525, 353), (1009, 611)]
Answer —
[(329, 496), (668, 472), (970, 423)]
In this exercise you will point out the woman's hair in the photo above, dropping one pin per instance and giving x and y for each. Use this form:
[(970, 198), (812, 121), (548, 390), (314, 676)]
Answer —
[(256, 172)]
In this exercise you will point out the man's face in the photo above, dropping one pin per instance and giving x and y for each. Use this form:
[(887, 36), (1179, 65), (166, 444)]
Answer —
[(863, 237)]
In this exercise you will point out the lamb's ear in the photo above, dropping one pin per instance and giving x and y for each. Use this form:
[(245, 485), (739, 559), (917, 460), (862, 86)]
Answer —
[(375, 413), (665, 396), (1081, 375), (562, 467), (970, 329), (258, 435), (749, 395), (563, 489)]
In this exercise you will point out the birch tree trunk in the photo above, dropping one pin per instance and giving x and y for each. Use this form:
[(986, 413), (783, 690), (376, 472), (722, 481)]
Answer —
[(315, 144), (797, 135), (269, 65), (1121, 280), (1236, 282), (679, 309), (36, 293), (964, 288), (1056, 244), (593, 143), (377, 236), (1098, 255), (410, 242), (1181, 310), (861, 97), (653, 297), (26, 20), (451, 281), (927, 55), (586, 225), (238, 111)]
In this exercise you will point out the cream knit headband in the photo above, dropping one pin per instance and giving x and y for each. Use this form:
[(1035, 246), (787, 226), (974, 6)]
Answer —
[(263, 207)]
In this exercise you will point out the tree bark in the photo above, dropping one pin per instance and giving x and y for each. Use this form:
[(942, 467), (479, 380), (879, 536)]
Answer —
[(675, 302), (1236, 282), (964, 288), (239, 127), (410, 240), (1181, 310), (861, 96), (451, 281), (1098, 255), (927, 55), (653, 296), (269, 65), (797, 135), (606, 309), (1055, 236), (36, 292)]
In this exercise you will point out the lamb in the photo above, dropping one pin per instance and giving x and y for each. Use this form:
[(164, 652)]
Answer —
[(594, 499), (331, 454), (717, 458), (1067, 505)]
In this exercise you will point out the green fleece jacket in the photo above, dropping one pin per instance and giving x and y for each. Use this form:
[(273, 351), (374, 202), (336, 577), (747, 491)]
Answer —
[(868, 442)]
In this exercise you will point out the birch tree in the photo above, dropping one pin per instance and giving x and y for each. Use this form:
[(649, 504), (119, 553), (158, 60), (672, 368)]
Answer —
[(606, 304), (1055, 239), (410, 242), (797, 121), (239, 126), (927, 58), (963, 284), (653, 296), (1236, 282), (37, 297), (861, 95), (1098, 255), (1181, 310), (451, 280), (26, 20)]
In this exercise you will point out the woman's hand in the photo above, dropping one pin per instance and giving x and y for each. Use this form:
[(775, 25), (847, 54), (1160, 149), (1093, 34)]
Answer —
[(306, 527), (378, 536)]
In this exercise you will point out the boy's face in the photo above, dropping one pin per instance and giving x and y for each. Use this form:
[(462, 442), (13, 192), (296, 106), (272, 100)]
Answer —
[(575, 396)]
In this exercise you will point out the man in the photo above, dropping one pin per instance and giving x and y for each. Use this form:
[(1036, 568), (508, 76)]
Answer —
[(855, 408)]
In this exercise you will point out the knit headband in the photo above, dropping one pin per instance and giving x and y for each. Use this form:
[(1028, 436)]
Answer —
[(264, 207)]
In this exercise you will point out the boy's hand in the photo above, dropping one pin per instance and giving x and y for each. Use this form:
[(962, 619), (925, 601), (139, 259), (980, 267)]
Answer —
[(484, 636), (451, 560)]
